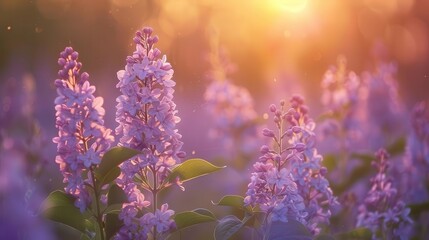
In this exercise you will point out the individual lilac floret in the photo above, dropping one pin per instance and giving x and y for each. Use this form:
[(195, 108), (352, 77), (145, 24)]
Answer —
[(231, 107), (382, 211), (289, 181), (82, 138), (147, 121)]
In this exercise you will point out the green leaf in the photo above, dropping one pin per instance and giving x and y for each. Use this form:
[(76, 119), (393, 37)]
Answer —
[(289, 230), (355, 234), (113, 225), (59, 207), (397, 147), (227, 227), (114, 208), (108, 169), (235, 201), (330, 161), (353, 177), (417, 209), (205, 212), (189, 218), (191, 169), (116, 195)]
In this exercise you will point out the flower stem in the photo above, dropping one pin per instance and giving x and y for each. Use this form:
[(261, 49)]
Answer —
[(99, 215), (154, 195)]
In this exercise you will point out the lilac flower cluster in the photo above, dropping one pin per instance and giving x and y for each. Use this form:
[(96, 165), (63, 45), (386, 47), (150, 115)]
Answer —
[(415, 167), (289, 181), (231, 107), (382, 97), (382, 211), (147, 121), (18, 125), (419, 143), (82, 138), (19, 198), (343, 96), (341, 89), (21, 162)]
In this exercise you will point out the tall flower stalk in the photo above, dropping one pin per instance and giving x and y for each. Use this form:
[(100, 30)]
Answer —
[(382, 97), (147, 119), (382, 210), (82, 138), (343, 131), (289, 181), (232, 109)]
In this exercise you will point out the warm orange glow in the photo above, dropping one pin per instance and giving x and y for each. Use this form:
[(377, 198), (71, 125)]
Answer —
[(290, 5)]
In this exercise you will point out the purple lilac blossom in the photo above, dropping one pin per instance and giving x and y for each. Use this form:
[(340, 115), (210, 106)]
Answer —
[(382, 97), (343, 97), (82, 138), (289, 181), (382, 210), (18, 124), (231, 107), (415, 168), (19, 197), (343, 131), (21, 161), (147, 119)]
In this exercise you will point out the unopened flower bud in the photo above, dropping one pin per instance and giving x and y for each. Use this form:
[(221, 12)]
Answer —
[(155, 39), (147, 30), (63, 54), (264, 149), (323, 171), (58, 83), (267, 132), (296, 129), (157, 53), (136, 40), (181, 154), (74, 55), (300, 147), (69, 50), (61, 61), (71, 64), (84, 77)]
